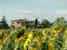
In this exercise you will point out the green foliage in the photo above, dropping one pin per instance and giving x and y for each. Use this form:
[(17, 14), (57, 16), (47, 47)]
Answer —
[(44, 46), (36, 22), (46, 23)]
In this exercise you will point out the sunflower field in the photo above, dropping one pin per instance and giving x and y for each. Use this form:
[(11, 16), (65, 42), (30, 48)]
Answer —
[(52, 38)]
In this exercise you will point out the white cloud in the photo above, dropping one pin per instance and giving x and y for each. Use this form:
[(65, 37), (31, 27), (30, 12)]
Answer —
[(27, 11), (23, 11), (61, 12)]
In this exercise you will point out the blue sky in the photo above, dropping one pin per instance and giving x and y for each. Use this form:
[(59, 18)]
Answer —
[(33, 8)]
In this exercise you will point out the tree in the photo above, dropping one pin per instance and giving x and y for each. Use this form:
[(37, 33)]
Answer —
[(59, 22), (45, 23), (65, 24), (36, 22), (3, 24), (59, 26)]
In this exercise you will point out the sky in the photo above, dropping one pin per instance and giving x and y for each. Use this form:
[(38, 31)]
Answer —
[(30, 9)]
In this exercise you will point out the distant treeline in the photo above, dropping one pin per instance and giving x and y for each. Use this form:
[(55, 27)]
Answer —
[(46, 23)]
